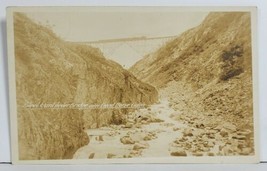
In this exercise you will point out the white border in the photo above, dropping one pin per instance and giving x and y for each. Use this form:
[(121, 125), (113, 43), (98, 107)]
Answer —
[(261, 4)]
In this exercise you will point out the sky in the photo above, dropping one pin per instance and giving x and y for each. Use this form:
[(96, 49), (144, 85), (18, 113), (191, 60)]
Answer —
[(89, 26), (93, 26)]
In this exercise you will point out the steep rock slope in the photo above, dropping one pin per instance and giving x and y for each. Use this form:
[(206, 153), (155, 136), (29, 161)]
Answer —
[(213, 61), (48, 71)]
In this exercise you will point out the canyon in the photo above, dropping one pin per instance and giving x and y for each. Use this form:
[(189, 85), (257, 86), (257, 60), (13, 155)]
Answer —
[(196, 90)]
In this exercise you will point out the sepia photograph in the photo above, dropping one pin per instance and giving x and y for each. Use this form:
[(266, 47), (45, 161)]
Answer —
[(133, 85)]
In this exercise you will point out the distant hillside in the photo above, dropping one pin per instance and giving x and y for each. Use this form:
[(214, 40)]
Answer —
[(214, 60), (49, 70)]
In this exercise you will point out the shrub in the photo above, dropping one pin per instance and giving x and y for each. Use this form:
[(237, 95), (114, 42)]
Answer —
[(232, 63), (231, 74)]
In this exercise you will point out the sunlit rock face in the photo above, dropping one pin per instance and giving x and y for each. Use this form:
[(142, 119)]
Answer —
[(50, 70), (214, 60)]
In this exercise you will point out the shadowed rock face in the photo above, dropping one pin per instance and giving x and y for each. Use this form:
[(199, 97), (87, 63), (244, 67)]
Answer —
[(214, 60), (49, 70)]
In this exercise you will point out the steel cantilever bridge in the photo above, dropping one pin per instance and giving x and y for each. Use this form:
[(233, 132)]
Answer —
[(127, 51)]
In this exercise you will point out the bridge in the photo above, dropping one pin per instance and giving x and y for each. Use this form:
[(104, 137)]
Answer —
[(128, 51)]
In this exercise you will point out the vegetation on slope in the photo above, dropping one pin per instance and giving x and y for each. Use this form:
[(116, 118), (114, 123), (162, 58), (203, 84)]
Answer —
[(214, 60)]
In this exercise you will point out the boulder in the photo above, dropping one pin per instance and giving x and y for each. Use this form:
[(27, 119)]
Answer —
[(156, 120), (148, 138), (138, 125), (143, 122), (91, 156), (245, 132), (198, 132), (179, 152), (227, 150), (128, 125), (228, 126), (223, 132), (139, 146), (201, 125), (100, 138), (176, 128), (134, 153), (246, 151), (188, 132), (198, 154), (127, 140), (239, 137), (110, 155), (211, 154), (210, 144)]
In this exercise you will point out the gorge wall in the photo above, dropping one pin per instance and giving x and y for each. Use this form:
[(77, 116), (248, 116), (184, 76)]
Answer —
[(50, 70), (214, 61)]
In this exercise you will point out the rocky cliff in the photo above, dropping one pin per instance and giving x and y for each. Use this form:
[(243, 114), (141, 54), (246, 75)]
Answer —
[(50, 70), (214, 62)]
